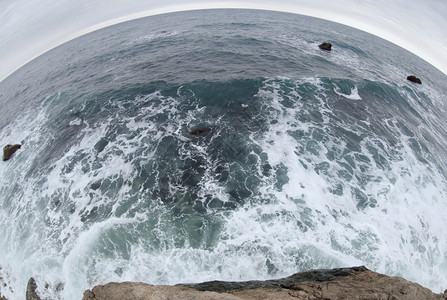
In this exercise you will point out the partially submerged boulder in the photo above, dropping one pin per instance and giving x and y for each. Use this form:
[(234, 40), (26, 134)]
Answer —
[(325, 46), (31, 288), (9, 150), (414, 79), (199, 131)]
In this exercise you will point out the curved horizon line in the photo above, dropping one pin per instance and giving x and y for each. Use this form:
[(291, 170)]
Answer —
[(305, 11)]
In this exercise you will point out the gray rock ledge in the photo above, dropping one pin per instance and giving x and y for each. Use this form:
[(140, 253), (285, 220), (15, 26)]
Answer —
[(343, 283)]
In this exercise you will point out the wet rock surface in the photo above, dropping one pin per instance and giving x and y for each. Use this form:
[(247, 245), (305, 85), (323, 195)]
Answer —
[(325, 46), (31, 290), (9, 150), (414, 79)]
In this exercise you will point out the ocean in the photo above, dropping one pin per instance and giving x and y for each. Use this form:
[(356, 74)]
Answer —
[(221, 145)]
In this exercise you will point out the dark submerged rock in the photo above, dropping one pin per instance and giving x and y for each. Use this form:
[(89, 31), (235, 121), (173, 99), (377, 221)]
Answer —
[(326, 46), (199, 131), (414, 79), (9, 150)]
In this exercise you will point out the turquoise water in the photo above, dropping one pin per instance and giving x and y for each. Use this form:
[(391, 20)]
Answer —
[(221, 144)]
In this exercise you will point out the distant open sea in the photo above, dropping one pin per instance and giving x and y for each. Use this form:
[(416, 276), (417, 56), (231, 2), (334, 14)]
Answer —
[(221, 145)]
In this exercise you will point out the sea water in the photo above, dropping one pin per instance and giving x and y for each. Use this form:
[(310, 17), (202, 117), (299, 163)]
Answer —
[(221, 145)]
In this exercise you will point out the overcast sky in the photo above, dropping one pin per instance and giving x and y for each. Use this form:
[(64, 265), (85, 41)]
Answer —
[(28, 28)]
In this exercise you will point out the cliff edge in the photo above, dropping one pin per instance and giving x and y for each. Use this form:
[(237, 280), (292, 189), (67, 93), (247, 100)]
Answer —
[(343, 283)]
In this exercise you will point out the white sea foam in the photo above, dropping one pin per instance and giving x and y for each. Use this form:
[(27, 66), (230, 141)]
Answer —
[(354, 95), (76, 264), (306, 214), (18, 217), (150, 37), (400, 190), (76, 122)]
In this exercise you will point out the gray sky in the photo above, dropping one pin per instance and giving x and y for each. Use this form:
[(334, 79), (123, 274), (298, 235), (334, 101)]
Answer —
[(29, 28)]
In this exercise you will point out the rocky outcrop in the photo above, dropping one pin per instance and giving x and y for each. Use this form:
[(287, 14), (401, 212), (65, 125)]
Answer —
[(344, 283), (9, 150), (31, 288), (140, 291), (325, 46), (414, 79)]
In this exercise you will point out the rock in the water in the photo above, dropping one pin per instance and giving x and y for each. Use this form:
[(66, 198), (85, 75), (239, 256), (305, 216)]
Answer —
[(414, 79), (326, 46), (9, 150), (2, 297), (31, 290), (344, 283), (199, 131)]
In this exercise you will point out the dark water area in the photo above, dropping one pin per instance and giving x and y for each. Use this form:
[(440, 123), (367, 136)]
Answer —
[(221, 145)]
